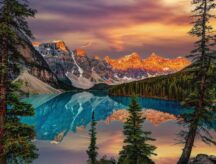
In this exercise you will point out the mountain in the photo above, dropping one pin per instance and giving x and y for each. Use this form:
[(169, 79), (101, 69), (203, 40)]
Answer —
[(132, 67), (54, 48), (32, 64), (153, 63), (33, 85), (75, 68), (159, 64), (132, 61)]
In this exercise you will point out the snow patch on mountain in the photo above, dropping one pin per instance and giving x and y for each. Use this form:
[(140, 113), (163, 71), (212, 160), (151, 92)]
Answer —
[(75, 62), (82, 71)]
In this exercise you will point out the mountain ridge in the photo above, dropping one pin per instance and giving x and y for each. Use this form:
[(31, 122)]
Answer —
[(153, 62), (77, 68)]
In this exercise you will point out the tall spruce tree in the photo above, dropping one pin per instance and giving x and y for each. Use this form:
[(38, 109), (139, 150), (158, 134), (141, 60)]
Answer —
[(15, 144), (201, 99), (136, 150), (92, 149), (18, 147)]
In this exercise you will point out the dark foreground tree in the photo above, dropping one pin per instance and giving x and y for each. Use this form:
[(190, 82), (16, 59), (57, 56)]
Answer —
[(92, 149), (136, 150), (15, 144), (200, 100), (18, 147)]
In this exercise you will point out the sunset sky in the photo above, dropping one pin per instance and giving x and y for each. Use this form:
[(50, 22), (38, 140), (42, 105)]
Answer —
[(110, 140), (116, 27)]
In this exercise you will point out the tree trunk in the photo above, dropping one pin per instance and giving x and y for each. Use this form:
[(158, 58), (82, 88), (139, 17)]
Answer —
[(3, 90), (184, 159)]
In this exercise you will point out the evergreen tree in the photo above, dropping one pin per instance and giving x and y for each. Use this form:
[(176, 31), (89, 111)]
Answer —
[(136, 149), (15, 144), (200, 100), (18, 147), (92, 149)]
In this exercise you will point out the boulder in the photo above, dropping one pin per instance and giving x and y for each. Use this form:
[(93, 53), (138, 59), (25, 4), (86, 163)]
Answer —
[(203, 159)]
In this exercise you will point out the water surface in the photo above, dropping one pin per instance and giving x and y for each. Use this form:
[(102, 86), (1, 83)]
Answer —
[(62, 123)]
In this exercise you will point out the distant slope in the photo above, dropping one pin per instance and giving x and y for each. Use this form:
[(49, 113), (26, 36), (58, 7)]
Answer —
[(34, 63), (32, 85), (173, 87), (79, 70), (31, 61)]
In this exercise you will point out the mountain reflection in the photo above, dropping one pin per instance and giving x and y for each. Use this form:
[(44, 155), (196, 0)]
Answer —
[(153, 116), (56, 115)]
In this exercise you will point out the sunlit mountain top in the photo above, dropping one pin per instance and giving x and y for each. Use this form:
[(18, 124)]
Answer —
[(154, 62)]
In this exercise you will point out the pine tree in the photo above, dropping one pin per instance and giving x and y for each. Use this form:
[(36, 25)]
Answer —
[(200, 100), (136, 150), (18, 147), (15, 144), (92, 149)]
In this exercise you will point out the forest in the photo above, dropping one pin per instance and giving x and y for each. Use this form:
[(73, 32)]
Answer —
[(171, 87)]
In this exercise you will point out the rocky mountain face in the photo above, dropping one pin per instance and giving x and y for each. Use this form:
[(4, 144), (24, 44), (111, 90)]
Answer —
[(90, 71), (75, 67), (32, 62), (33, 85), (78, 69), (133, 66)]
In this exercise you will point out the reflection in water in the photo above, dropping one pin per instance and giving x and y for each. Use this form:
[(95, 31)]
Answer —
[(155, 117), (58, 115), (64, 119), (157, 104)]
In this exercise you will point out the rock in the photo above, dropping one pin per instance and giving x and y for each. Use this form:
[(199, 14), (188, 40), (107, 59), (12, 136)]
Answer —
[(76, 68), (32, 85), (203, 159), (133, 66), (33, 63)]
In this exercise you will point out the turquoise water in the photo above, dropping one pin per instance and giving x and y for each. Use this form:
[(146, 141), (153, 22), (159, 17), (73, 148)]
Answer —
[(68, 111), (62, 122)]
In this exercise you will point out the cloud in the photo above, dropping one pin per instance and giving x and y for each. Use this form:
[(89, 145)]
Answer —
[(113, 26), (87, 44)]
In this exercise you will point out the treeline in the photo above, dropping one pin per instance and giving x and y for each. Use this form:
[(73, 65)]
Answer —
[(173, 87)]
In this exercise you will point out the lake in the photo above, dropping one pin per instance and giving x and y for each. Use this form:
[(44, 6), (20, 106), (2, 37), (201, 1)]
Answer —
[(62, 123)]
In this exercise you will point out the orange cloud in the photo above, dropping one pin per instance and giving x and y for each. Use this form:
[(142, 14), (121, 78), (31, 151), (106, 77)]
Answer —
[(117, 27)]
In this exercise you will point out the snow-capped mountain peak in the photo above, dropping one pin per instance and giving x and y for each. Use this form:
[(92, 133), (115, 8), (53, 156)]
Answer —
[(82, 71)]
